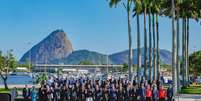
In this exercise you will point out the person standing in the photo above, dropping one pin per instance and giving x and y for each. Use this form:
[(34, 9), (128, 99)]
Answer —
[(49, 93), (33, 94), (141, 93), (98, 93), (170, 93), (155, 94), (89, 93), (14, 94), (162, 93), (26, 93), (148, 93)]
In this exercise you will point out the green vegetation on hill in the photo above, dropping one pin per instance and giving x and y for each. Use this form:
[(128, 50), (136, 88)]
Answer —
[(195, 63), (191, 90)]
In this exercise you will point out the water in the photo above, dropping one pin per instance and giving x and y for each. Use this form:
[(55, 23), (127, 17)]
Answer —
[(18, 80)]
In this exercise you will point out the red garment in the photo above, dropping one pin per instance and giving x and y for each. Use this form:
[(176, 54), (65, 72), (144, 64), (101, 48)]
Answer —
[(162, 93), (148, 93)]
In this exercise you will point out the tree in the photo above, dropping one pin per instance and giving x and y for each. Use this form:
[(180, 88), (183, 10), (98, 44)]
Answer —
[(137, 10), (145, 3), (150, 41), (28, 64), (174, 43), (125, 67), (154, 46), (127, 5), (86, 62), (7, 63), (42, 78), (150, 49), (195, 63)]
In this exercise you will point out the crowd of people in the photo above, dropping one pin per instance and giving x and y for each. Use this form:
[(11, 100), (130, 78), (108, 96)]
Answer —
[(99, 90)]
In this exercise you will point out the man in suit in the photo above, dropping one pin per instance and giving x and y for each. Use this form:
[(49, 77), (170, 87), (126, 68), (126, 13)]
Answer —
[(26, 93)]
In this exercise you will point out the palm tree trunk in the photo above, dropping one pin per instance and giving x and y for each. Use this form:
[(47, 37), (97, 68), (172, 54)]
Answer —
[(178, 58), (157, 47), (130, 56), (174, 44), (154, 47), (183, 52), (150, 50), (139, 48), (187, 51), (145, 45)]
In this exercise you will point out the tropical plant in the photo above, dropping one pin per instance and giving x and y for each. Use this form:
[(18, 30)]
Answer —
[(124, 68), (195, 63), (137, 11), (42, 78), (8, 64), (128, 6), (174, 43)]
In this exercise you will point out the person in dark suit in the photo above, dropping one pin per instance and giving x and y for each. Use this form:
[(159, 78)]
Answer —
[(26, 93)]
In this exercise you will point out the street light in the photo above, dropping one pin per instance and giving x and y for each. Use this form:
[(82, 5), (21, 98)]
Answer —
[(29, 43), (107, 64)]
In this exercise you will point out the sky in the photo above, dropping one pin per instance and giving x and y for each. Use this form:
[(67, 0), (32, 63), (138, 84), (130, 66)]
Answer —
[(89, 24)]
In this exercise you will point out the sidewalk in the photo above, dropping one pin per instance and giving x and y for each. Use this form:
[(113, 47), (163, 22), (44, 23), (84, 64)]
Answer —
[(188, 97), (19, 86)]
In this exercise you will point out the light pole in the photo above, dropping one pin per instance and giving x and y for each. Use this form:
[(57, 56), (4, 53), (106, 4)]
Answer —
[(107, 64), (45, 63), (29, 43)]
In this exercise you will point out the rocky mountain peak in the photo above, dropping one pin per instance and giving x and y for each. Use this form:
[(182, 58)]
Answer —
[(55, 46)]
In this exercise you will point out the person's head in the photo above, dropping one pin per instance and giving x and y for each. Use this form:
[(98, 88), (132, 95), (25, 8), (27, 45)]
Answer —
[(142, 85), (155, 88), (161, 87), (14, 88), (148, 87), (170, 86), (33, 87)]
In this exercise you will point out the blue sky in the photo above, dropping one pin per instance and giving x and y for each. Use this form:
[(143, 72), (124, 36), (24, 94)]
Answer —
[(89, 24)]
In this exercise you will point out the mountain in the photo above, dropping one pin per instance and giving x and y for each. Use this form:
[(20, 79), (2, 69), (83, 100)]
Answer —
[(122, 57), (54, 46), (118, 58), (57, 49), (82, 55)]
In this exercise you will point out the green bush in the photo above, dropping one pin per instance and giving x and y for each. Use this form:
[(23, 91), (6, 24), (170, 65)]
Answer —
[(42, 78)]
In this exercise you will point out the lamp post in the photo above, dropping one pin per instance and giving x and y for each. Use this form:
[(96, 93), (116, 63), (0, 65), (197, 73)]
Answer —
[(29, 44), (107, 64)]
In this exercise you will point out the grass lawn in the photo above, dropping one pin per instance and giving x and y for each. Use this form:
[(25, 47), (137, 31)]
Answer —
[(191, 90), (2, 90)]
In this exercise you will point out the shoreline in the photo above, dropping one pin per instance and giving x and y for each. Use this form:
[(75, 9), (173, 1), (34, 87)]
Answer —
[(19, 85)]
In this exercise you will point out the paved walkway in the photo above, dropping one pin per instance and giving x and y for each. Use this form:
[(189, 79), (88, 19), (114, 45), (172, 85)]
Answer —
[(19, 86), (181, 97), (188, 97)]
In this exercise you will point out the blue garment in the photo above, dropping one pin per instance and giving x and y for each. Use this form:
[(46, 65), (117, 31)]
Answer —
[(155, 94), (33, 95), (141, 92)]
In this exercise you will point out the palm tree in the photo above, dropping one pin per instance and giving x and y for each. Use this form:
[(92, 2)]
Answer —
[(174, 43), (127, 5), (188, 10), (178, 57), (138, 10), (139, 64), (145, 3), (154, 46), (157, 8), (150, 49), (157, 47)]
